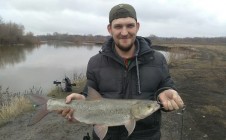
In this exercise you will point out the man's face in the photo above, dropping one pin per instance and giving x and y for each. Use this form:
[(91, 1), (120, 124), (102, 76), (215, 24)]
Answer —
[(123, 31)]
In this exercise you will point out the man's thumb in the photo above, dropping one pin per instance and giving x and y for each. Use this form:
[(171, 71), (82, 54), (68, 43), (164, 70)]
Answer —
[(68, 99)]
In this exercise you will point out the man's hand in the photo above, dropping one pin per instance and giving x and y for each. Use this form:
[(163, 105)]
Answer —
[(170, 100), (68, 113)]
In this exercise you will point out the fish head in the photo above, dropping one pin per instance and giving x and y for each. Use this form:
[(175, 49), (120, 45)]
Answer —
[(142, 109)]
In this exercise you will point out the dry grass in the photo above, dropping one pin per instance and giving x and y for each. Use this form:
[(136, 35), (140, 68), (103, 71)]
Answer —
[(80, 81), (13, 104), (177, 53), (186, 51), (57, 93), (173, 55), (16, 106)]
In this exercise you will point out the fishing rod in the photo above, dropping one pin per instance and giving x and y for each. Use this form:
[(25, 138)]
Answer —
[(182, 121)]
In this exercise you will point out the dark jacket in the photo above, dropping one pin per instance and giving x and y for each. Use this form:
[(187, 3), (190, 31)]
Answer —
[(145, 76)]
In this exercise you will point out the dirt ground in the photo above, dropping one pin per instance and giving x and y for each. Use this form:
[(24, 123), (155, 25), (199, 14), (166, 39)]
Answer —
[(200, 78)]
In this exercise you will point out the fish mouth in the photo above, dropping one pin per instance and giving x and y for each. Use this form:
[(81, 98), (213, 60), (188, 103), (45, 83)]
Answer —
[(158, 105)]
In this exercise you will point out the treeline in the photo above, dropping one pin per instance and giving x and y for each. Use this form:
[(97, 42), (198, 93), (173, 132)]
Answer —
[(13, 34), (97, 39), (188, 40)]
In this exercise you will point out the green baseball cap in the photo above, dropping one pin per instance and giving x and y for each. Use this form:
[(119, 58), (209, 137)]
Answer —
[(122, 11)]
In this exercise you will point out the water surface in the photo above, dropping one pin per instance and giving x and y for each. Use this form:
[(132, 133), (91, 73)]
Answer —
[(21, 68)]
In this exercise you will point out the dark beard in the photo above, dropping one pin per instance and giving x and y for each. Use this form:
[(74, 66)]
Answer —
[(124, 49)]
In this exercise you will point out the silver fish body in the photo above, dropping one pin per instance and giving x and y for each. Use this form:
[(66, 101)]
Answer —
[(99, 111), (109, 112)]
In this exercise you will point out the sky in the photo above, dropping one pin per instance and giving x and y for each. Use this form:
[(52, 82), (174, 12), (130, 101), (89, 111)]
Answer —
[(163, 18)]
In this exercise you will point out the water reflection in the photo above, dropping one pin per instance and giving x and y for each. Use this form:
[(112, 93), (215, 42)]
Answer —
[(23, 68), (11, 55)]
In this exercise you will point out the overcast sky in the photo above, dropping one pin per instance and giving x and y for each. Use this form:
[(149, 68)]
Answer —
[(165, 18)]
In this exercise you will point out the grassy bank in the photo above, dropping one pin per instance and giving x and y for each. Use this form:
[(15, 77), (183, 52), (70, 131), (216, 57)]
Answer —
[(13, 108), (14, 104)]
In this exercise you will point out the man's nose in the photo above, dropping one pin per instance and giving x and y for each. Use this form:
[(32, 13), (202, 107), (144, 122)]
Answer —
[(124, 31)]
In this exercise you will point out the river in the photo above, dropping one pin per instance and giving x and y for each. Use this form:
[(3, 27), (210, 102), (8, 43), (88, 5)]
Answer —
[(23, 68)]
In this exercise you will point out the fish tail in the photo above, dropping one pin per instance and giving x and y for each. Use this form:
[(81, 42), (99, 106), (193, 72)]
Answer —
[(37, 99), (42, 112)]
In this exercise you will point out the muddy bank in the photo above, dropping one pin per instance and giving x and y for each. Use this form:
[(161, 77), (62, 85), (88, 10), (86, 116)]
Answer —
[(200, 79), (52, 127)]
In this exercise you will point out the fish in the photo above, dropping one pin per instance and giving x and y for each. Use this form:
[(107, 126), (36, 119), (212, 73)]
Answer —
[(98, 111)]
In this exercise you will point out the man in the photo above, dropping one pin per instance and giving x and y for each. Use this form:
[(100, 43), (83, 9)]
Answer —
[(128, 68)]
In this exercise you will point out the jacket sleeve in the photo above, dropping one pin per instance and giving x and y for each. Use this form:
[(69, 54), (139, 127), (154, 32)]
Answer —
[(166, 82)]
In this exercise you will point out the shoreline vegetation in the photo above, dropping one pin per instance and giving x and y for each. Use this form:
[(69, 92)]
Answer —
[(14, 34)]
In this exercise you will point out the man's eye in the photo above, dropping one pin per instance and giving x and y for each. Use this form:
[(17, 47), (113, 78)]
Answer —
[(130, 26), (118, 27)]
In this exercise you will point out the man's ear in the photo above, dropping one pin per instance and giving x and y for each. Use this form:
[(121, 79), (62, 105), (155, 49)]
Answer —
[(138, 26), (109, 28)]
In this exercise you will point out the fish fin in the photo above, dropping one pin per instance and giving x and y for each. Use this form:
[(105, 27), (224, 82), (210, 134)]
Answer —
[(37, 99), (130, 125), (39, 115), (93, 94), (101, 131)]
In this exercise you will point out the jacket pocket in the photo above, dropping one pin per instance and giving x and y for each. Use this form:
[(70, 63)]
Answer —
[(110, 82)]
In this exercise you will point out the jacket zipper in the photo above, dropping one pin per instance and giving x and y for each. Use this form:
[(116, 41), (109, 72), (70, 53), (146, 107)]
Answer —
[(125, 82)]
